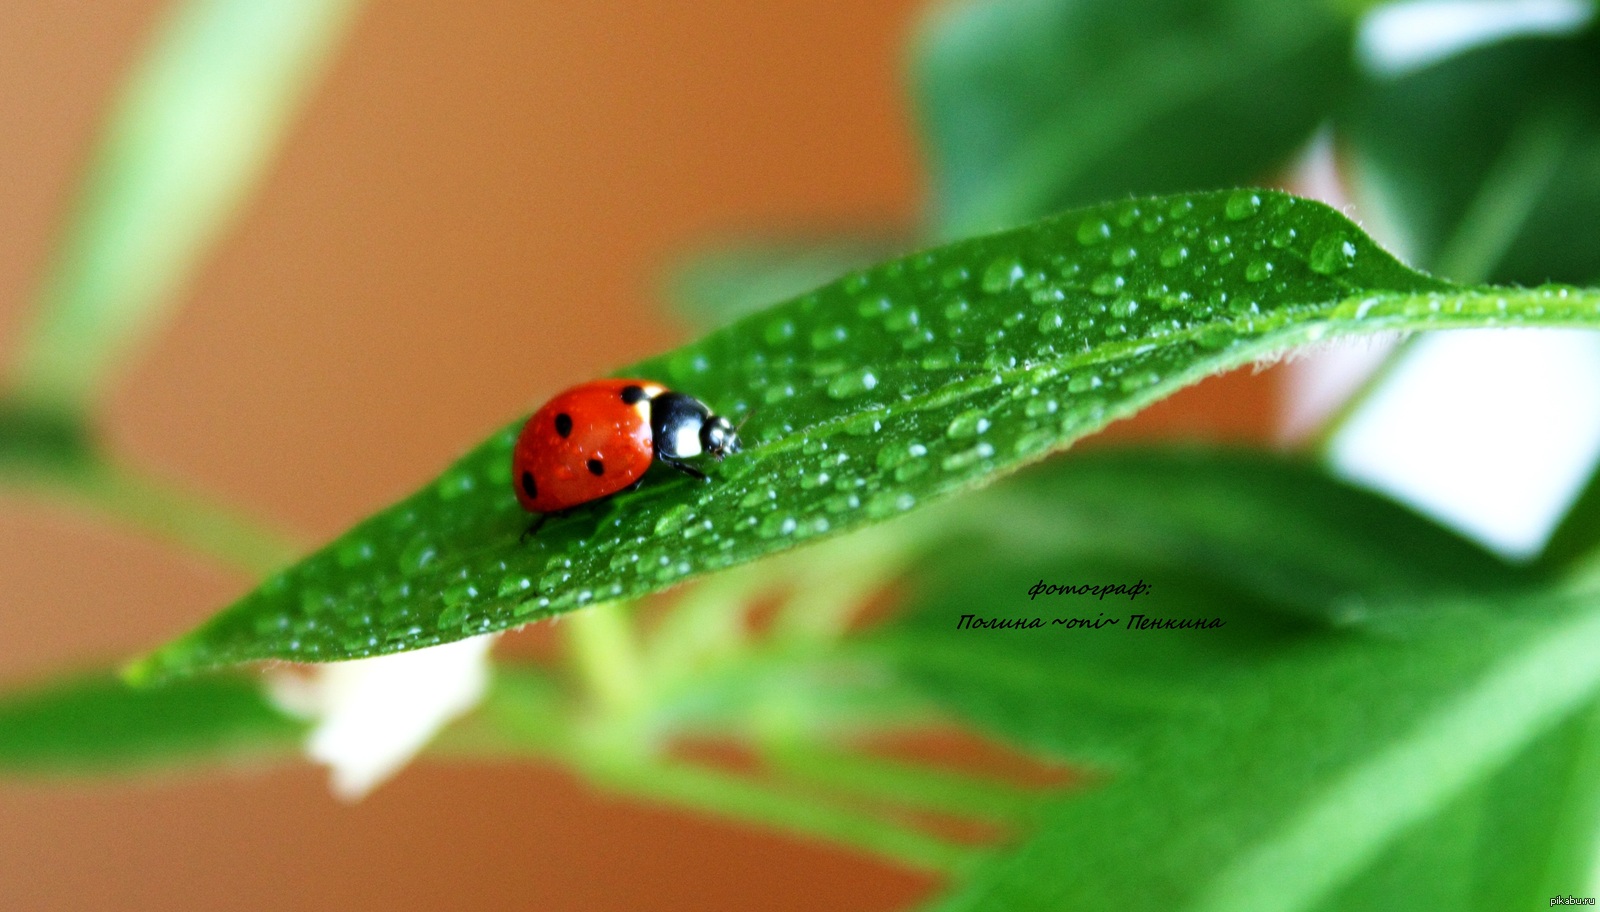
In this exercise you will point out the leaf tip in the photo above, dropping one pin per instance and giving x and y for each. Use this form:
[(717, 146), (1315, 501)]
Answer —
[(147, 670)]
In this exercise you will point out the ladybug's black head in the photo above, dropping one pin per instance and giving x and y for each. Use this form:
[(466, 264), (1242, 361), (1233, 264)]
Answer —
[(718, 437), (683, 428)]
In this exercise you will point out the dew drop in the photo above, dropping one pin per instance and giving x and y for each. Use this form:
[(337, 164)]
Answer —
[(852, 383), (886, 503), (1093, 231), (1051, 321), (1332, 253), (807, 482), (841, 503), (512, 585), (454, 484), (460, 594), (1258, 270), (686, 364), (963, 459), (778, 332), (777, 524), (825, 337), (1282, 237), (419, 555), (1107, 283), (1122, 256), (896, 454), (902, 319), (1137, 381), (970, 423), (1242, 205), (863, 425), (1002, 275), (1038, 408), (1174, 255), (355, 551), (999, 360), (910, 470), (1033, 442), (672, 520), (956, 309)]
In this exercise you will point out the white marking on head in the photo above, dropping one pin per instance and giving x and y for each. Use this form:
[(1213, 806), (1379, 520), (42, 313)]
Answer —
[(686, 440)]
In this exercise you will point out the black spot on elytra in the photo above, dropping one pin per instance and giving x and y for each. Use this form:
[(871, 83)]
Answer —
[(632, 394), (528, 487), (596, 467), (564, 424)]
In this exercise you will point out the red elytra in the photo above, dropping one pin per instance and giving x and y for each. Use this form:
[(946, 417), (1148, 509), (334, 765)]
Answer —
[(584, 444)]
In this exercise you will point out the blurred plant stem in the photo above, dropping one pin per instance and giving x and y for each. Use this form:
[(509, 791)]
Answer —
[(634, 687), (605, 655), (161, 510), (525, 716)]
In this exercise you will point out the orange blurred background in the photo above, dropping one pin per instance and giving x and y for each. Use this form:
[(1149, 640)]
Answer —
[(476, 209)]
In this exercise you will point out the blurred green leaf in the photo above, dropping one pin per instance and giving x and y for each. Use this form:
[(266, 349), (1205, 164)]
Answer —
[(38, 439), (1272, 763), (723, 284), (890, 388), (1029, 106), (1488, 163), (1578, 534), (1280, 533), (188, 140), (97, 724)]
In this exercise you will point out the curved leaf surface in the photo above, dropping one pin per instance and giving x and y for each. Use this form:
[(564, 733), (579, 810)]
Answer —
[(886, 389)]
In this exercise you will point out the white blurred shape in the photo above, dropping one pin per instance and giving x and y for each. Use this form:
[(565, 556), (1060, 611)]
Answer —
[(374, 715), (1315, 172), (1490, 431), (1400, 37)]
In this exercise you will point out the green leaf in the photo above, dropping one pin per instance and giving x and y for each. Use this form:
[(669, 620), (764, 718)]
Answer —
[(1488, 163), (35, 439), (97, 724), (1270, 764), (887, 389), (1277, 532), (738, 279), (189, 139), (1032, 105), (1578, 535)]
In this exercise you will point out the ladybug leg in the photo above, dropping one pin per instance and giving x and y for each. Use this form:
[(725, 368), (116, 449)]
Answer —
[(685, 468), (533, 528)]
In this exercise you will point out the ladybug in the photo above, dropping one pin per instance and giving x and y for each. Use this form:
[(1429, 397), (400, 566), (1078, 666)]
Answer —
[(598, 438)]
